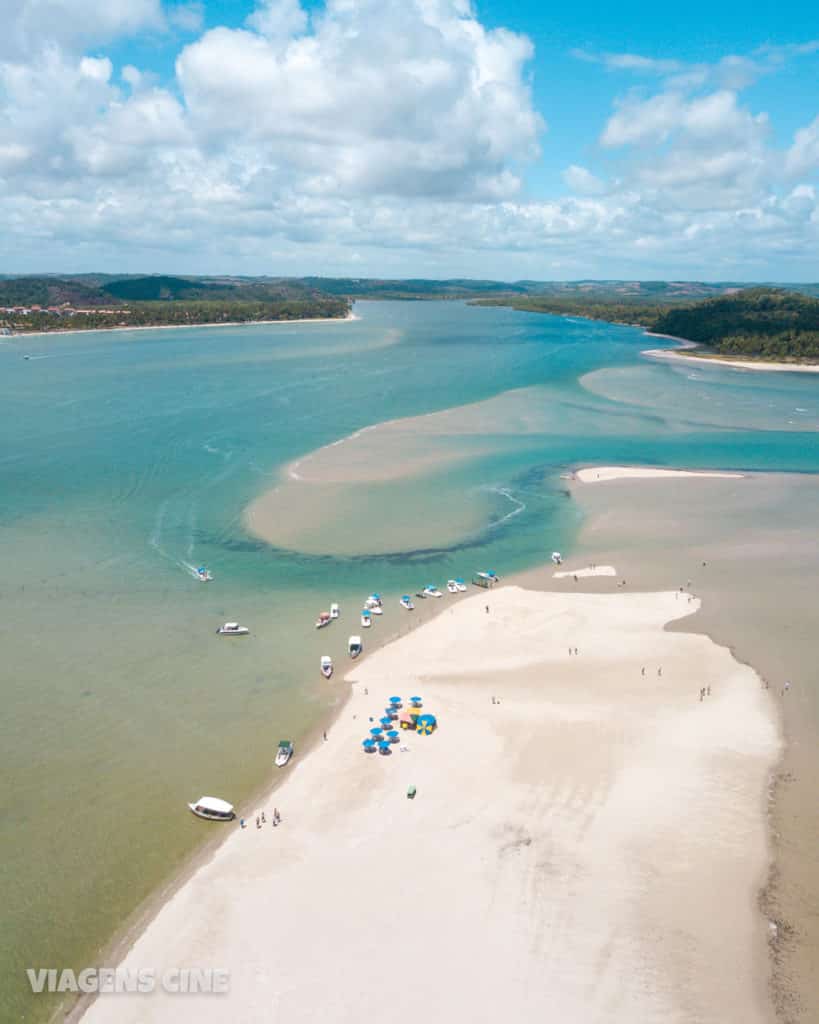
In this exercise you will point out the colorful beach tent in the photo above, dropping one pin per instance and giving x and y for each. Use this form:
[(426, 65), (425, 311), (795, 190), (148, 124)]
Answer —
[(426, 724), (406, 721)]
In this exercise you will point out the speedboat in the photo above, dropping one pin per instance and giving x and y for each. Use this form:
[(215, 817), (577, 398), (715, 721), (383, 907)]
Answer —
[(420, 593), (284, 753), (326, 666), (459, 583), (204, 575), (432, 591), (406, 602), (489, 576), (354, 646), (323, 620), (373, 604), (233, 629), (557, 558), (335, 611), (452, 586), (366, 618), (213, 809)]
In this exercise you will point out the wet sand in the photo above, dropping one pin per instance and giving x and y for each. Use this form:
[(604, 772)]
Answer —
[(737, 364), (757, 538)]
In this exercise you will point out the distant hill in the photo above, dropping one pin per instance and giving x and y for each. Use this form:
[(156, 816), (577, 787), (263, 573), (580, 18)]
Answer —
[(768, 323), (48, 291)]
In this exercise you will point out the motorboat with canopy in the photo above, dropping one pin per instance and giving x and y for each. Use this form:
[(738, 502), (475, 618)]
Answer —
[(326, 666), (213, 809), (284, 753), (233, 629)]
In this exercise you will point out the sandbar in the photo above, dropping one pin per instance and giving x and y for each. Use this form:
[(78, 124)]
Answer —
[(585, 573), (587, 842), (736, 364), (600, 474)]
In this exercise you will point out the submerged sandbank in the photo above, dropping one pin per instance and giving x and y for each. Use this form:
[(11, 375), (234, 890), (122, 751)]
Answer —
[(600, 474), (576, 824), (586, 573)]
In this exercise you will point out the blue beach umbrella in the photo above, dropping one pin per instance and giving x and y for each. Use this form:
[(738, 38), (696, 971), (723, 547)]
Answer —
[(386, 721), (376, 731), (416, 700), (392, 735), (395, 700), (368, 742), (384, 747)]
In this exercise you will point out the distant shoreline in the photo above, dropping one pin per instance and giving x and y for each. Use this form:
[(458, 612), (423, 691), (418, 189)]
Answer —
[(717, 360), (177, 327)]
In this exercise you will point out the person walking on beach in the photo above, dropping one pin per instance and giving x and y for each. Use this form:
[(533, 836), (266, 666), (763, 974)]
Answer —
[(660, 670), (643, 670), (276, 815), (325, 735), (487, 609), (264, 819), (570, 652), (575, 650), (708, 691), (258, 824)]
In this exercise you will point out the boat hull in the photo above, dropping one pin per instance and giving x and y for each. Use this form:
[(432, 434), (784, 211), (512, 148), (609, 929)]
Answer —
[(209, 817)]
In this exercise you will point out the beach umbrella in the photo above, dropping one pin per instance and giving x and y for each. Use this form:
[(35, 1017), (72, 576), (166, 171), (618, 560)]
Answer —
[(392, 735), (386, 720), (395, 700), (376, 731), (384, 747), (368, 744), (416, 700), (426, 725)]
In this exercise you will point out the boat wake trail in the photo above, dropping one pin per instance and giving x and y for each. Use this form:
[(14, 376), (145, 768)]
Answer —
[(516, 511)]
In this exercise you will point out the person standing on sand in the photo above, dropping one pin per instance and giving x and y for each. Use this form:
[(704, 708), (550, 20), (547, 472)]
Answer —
[(576, 651), (660, 670), (487, 609), (325, 735), (708, 691), (643, 670)]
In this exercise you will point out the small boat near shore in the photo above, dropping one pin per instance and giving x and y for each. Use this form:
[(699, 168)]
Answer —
[(326, 666), (233, 629), (373, 604), (284, 753), (335, 611), (213, 809), (354, 646), (406, 602), (557, 558), (366, 618), (485, 579), (452, 586), (203, 574), (432, 591), (323, 620), (459, 583)]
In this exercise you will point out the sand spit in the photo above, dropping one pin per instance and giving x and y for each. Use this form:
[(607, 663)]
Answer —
[(587, 842), (582, 574), (179, 327), (736, 364), (600, 474)]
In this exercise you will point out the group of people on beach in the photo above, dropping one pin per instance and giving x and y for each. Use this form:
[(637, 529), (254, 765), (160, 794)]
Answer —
[(261, 819)]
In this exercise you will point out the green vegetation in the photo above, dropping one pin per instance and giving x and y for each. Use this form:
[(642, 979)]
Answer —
[(755, 323), (53, 304)]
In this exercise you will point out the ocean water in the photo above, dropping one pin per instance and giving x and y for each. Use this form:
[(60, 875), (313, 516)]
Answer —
[(129, 458)]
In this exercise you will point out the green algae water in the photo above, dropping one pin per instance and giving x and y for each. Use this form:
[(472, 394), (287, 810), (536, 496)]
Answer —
[(129, 458)]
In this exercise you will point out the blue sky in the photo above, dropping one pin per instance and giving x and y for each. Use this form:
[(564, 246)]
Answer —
[(410, 137)]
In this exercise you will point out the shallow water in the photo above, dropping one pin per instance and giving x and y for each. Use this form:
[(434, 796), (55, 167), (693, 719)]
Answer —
[(130, 457)]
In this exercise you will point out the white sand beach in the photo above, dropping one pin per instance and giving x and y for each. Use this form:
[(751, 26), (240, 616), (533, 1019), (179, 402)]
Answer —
[(737, 364), (600, 474), (585, 573), (588, 849)]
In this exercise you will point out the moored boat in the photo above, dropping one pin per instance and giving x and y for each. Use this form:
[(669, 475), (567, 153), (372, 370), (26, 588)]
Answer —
[(354, 646), (430, 590), (203, 574), (213, 809), (335, 611), (326, 666), (452, 586), (366, 618), (406, 602), (557, 558), (459, 583), (233, 629), (323, 620), (373, 604), (284, 753)]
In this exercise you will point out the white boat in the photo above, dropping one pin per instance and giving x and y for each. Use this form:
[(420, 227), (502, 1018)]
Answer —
[(452, 586), (557, 558), (284, 753), (354, 646), (326, 666), (459, 583), (373, 604), (489, 576), (323, 620), (204, 575), (213, 809), (366, 619), (432, 591), (335, 611), (406, 602), (233, 629)]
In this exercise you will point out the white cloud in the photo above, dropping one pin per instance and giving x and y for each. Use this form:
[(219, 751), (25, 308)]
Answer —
[(396, 130), (580, 179), (29, 24)]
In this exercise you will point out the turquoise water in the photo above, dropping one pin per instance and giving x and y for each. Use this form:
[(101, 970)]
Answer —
[(129, 457)]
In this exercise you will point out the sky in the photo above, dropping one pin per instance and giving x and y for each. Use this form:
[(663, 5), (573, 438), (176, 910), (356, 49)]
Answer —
[(503, 139)]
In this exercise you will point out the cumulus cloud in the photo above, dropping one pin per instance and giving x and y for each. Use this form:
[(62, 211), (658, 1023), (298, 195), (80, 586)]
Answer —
[(395, 130)]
